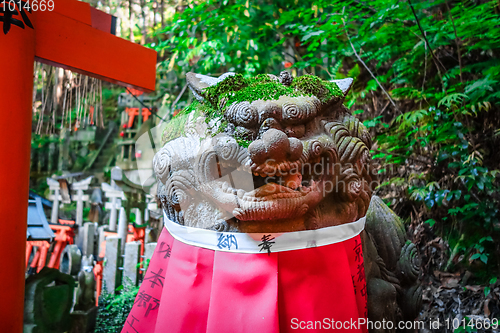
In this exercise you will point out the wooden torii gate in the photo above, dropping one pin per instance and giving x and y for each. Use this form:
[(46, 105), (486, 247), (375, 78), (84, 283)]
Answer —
[(73, 36)]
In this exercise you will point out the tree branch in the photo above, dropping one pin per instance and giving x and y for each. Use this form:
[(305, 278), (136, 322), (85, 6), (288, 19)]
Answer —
[(436, 60), (374, 11), (425, 72), (368, 69), (456, 42), (178, 97)]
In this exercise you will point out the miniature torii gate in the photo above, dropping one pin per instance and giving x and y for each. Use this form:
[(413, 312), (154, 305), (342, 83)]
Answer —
[(73, 36)]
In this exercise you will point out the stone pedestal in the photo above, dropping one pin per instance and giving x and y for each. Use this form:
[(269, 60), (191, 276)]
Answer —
[(101, 245), (88, 239), (111, 273), (123, 227), (48, 301), (83, 321), (149, 249), (130, 263)]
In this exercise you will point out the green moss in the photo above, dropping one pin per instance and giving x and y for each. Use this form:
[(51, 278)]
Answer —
[(334, 89), (176, 127), (230, 83), (243, 142), (264, 91), (236, 88), (309, 84), (221, 128), (313, 85), (260, 78)]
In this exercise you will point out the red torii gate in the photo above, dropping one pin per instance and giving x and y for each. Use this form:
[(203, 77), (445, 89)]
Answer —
[(73, 36)]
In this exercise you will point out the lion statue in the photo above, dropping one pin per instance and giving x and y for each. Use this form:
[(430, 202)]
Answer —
[(278, 154)]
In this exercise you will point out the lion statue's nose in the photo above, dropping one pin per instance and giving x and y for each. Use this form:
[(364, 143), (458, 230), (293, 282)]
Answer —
[(275, 145)]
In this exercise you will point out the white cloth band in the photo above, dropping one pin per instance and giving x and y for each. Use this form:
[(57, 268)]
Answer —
[(263, 242)]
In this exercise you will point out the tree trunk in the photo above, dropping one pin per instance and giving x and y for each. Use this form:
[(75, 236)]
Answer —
[(131, 24), (162, 10), (59, 87), (144, 29)]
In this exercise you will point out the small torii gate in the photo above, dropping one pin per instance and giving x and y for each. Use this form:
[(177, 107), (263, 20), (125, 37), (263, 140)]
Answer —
[(73, 36)]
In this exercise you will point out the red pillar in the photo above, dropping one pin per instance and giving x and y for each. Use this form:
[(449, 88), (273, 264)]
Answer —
[(17, 55)]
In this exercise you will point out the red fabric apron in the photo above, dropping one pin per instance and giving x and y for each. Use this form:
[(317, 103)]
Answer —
[(193, 289)]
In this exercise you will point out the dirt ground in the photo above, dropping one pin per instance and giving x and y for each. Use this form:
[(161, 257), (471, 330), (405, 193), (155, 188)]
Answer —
[(450, 300)]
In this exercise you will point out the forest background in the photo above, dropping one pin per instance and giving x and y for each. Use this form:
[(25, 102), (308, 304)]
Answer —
[(426, 84)]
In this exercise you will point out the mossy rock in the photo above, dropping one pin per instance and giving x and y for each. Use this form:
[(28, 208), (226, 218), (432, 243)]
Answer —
[(314, 86)]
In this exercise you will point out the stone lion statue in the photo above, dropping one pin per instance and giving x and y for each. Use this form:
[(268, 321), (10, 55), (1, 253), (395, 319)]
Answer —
[(282, 154)]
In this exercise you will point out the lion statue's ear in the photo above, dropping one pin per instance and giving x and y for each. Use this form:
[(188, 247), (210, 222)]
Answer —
[(344, 85), (198, 82)]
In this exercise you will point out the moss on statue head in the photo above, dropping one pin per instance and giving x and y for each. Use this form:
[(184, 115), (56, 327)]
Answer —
[(231, 83), (260, 78), (176, 127), (266, 91), (243, 142), (313, 85), (237, 89)]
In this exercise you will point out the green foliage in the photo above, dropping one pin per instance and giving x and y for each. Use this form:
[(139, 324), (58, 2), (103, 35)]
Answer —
[(450, 141), (110, 101), (114, 309), (436, 138), (43, 141)]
